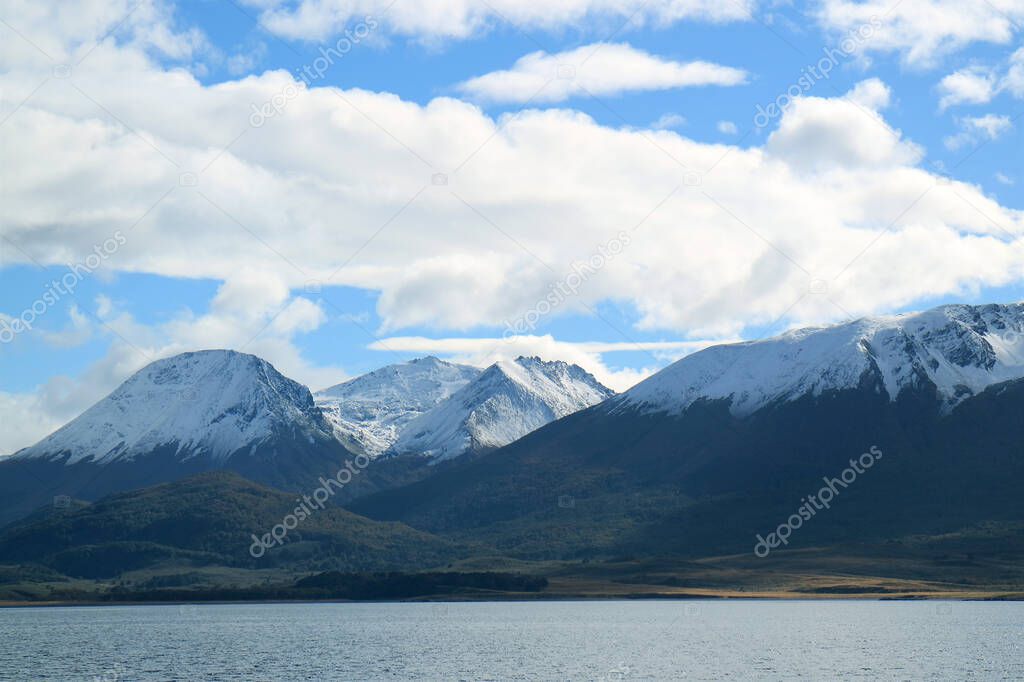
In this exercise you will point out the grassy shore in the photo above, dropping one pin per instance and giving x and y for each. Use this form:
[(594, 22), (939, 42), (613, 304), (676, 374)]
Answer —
[(867, 572)]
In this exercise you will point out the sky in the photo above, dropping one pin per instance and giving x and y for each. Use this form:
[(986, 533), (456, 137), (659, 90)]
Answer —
[(336, 185)]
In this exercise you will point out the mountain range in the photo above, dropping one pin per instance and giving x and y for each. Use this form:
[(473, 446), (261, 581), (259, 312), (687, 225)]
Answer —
[(537, 461), (726, 444), (214, 410), (442, 410)]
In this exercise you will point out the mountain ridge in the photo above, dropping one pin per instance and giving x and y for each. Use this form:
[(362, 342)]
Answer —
[(960, 349), (508, 400), (680, 469)]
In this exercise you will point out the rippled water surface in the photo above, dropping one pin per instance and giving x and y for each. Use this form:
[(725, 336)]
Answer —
[(632, 640)]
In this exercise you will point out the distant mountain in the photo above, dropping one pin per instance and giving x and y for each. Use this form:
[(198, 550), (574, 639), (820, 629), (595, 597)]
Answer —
[(440, 410), (368, 412), (209, 520), (729, 442), (504, 403), (957, 351), (176, 417)]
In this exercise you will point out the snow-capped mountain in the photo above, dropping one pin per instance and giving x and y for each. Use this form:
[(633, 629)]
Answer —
[(958, 350), (504, 403), (368, 412), (719, 447), (209, 405)]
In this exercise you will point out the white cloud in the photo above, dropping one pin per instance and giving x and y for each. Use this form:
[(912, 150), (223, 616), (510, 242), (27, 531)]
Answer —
[(242, 63), (78, 331), (988, 127), (819, 134), (668, 121), (588, 355), (25, 421), (148, 25), (537, 189), (433, 20), (598, 69), (871, 93), (1013, 81), (1004, 179), (967, 86), (991, 125), (923, 31), (981, 84), (727, 128)]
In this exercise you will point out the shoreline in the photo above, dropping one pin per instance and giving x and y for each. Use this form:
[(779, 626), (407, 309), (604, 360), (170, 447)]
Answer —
[(520, 598)]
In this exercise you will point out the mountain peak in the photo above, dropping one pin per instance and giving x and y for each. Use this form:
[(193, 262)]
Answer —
[(367, 412), (505, 402), (428, 360), (209, 403)]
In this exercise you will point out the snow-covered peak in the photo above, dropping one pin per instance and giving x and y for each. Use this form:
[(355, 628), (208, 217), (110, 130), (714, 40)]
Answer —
[(368, 412), (210, 404), (960, 350), (507, 401)]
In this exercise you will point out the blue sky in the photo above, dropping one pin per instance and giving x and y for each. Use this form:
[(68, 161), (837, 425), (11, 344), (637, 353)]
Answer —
[(321, 241)]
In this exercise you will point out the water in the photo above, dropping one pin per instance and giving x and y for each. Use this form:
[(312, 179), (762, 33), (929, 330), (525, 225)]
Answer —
[(631, 640)]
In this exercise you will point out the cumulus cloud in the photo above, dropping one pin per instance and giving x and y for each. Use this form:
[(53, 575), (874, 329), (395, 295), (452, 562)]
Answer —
[(981, 84), (598, 69), (923, 31), (1013, 81), (340, 186), (871, 93), (818, 134), (668, 122), (147, 25), (432, 20), (976, 128), (967, 86)]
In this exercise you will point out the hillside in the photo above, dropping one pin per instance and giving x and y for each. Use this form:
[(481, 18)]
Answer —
[(210, 520)]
